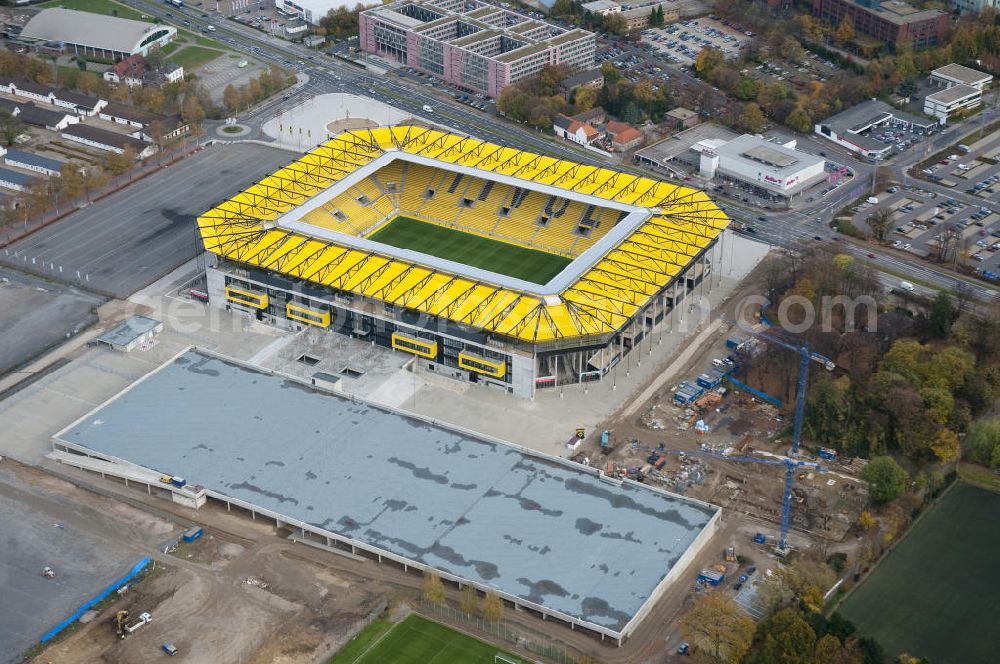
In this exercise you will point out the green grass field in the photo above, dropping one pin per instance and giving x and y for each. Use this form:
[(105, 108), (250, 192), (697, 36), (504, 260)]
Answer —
[(532, 265), (190, 57), (416, 640), (106, 7), (935, 595)]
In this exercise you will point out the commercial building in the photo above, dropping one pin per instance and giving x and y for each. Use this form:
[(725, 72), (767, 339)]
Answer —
[(628, 249), (30, 161), (892, 21), (96, 35), (681, 118), (955, 74), (944, 103), (548, 535), (769, 168), (850, 128), (602, 7), (471, 44)]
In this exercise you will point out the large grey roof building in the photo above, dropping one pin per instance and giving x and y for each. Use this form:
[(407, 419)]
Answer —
[(97, 35), (545, 533)]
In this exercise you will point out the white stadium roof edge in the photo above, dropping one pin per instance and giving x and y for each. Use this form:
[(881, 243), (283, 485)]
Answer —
[(97, 31)]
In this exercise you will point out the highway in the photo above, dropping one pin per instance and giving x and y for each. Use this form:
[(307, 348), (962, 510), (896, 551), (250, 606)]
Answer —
[(787, 229)]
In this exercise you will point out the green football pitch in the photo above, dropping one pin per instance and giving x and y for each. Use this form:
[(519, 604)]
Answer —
[(935, 594), (417, 640), (511, 260)]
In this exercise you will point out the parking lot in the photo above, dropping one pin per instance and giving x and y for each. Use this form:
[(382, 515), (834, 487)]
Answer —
[(133, 237), (681, 42), (937, 227)]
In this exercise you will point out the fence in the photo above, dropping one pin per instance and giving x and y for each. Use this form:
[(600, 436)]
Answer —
[(551, 650)]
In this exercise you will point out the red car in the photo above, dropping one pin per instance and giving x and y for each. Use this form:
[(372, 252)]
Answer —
[(871, 255)]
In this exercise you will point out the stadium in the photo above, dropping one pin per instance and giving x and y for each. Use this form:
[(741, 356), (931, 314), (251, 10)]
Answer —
[(487, 263)]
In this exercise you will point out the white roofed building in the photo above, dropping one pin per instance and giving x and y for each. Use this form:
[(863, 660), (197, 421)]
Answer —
[(96, 35)]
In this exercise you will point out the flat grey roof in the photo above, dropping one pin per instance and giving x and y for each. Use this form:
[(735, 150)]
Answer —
[(766, 156), (954, 93), (14, 177), (546, 530), (681, 142), (962, 74), (129, 331), (860, 116)]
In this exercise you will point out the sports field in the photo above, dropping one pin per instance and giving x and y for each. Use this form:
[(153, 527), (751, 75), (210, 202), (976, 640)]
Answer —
[(935, 595), (537, 267), (417, 640)]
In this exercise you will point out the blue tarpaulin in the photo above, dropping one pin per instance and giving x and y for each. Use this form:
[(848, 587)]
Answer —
[(107, 591)]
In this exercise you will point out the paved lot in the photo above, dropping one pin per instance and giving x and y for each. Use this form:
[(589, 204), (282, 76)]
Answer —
[(681, 42), (38, 314), (133, 237), (38, 532)]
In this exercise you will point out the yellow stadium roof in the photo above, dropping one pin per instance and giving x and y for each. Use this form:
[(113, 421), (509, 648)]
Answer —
[(603, 299)]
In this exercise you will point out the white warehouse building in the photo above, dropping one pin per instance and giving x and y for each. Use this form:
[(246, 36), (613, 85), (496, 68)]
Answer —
[(776, 168), (943, 103)]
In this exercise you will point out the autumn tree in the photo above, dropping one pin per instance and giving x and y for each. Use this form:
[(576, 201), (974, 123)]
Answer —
[(844, 32), (784, 637), (799, 120), (886, 480), (72, 181), (10, 126), (433, 588), (231, 98), (752, 120), (719, 629), (492, 607), (708, 59), (470, 600), (191, 110)]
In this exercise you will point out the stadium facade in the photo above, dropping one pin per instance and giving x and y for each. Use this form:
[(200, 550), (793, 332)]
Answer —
[(297, 249), (475, 45)]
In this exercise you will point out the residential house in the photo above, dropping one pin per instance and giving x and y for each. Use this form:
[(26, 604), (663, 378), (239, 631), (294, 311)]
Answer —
[(574, 130), (129, 71), (623, 136)]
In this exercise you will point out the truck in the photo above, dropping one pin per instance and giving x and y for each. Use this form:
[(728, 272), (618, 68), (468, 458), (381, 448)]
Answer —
[(175, 3), (827, 453), (144, 619)]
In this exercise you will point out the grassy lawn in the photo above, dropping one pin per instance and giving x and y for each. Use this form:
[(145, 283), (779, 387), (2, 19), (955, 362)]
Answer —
[(190, 57), (416, 640), (935, 595), (106, 7), (532, 265)]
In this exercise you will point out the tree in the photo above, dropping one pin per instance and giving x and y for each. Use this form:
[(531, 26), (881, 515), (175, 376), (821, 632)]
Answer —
[(718, 628), (752, 120), (231, 98), (81, 63), (886, 480), (433, 587), (470, 600), (119, 164), (880, 222), (799, 120), (983, 443), (72, 182), (585, 99), (844, 32), (941, 315), (492, 607), (615, 24), (708, 59), (11, 126), (191, 110), (866, 520), (946, 447), (784, 637)]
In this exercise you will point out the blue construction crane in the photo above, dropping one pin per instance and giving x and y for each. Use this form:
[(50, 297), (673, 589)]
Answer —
[(790, 466), (800, 388)]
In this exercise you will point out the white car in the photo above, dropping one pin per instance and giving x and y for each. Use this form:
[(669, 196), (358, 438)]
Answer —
[(210, 28), (906, 285)]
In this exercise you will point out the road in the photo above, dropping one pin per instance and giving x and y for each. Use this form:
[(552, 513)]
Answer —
[(785, 229)]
